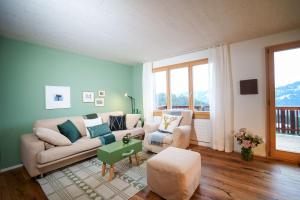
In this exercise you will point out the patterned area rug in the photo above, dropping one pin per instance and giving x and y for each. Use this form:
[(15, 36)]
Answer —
[(84, 181)]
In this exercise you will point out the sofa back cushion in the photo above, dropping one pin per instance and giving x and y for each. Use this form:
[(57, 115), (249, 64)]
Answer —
[(132, 120), (52, 123), (77, 121), (52, 137)]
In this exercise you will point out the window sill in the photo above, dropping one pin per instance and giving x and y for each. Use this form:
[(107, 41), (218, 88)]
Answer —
[(196, 115)]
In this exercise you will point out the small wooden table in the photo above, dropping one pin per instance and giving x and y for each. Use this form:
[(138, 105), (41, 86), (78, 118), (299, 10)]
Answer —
[(114, 152)]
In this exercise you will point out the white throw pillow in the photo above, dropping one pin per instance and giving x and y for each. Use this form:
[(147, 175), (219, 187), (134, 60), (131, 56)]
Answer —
[(91, 123), (52, 137), (132, 120), (169, 123)]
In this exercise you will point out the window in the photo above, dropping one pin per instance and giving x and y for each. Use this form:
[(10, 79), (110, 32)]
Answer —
[(160, 90), (183, 86), (179, 88), (201, 87)]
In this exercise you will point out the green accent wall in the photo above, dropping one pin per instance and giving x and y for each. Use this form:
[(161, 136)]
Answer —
[(26, 69), (137, 85)]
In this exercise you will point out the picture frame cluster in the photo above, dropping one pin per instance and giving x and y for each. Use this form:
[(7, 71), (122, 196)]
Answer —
[(89, 97)]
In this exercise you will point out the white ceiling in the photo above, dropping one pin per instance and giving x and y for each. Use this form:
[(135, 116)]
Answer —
[(132, 31)]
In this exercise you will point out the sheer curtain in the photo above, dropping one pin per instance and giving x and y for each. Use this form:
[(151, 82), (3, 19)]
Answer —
[(221, 114), (148, 92)]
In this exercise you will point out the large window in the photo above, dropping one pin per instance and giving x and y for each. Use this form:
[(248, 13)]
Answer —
[(183, 86), (179, 88), (160, 90)]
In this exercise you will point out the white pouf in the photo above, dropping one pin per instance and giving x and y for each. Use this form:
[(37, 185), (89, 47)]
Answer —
[(174, 173)]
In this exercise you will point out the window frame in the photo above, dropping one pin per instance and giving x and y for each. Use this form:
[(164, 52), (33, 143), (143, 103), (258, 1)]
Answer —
[(189, 65)]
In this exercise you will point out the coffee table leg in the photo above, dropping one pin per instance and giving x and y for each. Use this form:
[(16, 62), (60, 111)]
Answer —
[(137, 159), (111, 172), (103, 168), (130, 160)]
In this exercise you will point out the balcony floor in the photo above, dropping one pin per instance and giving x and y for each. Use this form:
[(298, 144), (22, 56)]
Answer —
[(290, 143)]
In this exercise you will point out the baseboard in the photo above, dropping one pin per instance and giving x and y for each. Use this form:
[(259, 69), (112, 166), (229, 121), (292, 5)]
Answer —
[(200, 143), (10, 168)]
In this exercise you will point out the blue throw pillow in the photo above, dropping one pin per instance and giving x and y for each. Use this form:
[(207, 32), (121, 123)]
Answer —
[(69, 130), (99, 130), (107, 139)]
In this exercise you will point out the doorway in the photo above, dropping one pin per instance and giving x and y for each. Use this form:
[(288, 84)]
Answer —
[(283, 98)]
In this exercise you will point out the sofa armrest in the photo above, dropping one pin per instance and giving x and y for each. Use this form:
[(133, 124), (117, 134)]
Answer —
[(30, 147), (181, 136)]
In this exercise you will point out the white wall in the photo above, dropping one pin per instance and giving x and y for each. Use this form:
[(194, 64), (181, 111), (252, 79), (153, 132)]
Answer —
[(248, 61)]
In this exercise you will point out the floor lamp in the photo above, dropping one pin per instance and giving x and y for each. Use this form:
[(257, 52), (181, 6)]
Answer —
[(132, 100)]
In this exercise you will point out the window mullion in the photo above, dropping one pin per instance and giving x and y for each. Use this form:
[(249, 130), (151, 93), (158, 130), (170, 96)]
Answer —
[(168, 90), (191, 92)]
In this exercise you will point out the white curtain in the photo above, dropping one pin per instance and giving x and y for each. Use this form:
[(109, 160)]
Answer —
[(221, 114), (148, 92)]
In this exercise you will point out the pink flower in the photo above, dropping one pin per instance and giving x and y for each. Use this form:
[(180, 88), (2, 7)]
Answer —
[(246, 144)]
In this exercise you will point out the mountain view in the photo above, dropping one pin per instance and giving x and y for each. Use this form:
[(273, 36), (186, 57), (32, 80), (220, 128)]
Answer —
[(201, 99), (288, 95)]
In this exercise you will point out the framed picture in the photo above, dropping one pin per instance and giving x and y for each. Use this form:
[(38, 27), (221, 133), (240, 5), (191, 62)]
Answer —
[(99, 101), (88, 97), (57, 97), (101, 93)]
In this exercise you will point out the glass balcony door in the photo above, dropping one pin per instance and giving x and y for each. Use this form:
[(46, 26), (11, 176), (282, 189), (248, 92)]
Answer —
[(283, 63)]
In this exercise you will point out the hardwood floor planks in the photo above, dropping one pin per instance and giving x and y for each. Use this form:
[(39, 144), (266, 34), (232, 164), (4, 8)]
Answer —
[(224, 176)]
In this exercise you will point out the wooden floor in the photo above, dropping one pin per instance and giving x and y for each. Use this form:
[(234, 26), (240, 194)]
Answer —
[(224, 176)]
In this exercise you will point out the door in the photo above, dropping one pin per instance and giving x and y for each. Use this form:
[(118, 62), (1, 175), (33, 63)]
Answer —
[(283, 97)]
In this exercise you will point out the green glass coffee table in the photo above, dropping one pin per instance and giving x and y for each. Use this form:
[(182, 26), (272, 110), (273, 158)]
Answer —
[(114, 152)]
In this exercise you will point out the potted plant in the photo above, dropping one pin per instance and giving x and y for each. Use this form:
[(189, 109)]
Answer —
[(248, 141)]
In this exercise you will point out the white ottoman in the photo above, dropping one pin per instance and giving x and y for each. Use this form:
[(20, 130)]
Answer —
[(174, 173)]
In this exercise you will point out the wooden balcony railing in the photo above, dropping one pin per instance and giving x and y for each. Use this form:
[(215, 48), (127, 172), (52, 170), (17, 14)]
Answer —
[(288, 120)]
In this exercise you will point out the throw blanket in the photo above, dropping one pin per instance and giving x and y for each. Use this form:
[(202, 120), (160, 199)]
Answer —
[(157, 138), (107, 138)]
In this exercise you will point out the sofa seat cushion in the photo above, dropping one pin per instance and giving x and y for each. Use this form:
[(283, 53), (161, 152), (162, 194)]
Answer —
[(134, 132), (83, 144)]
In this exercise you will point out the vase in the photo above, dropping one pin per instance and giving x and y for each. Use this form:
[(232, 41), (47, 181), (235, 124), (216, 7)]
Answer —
[(247, 154), (126, 139)]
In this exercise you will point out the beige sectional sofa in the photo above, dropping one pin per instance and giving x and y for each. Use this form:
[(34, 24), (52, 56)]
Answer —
[(37, 160)]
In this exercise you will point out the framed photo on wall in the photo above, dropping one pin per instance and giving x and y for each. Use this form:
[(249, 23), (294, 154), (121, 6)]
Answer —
[(99, 102), (101, 93), (88, 97), (57, 97)]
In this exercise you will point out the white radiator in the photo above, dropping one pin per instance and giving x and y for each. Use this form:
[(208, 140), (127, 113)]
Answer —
[(201, 133)]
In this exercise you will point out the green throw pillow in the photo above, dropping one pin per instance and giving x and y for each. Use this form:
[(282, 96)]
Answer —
[(69, 130), (99, 130)]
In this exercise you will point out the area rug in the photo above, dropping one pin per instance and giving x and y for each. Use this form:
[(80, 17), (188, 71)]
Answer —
[(83, 181)]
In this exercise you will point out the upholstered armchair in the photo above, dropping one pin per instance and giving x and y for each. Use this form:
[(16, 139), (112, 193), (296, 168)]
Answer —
[(180, 137)]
